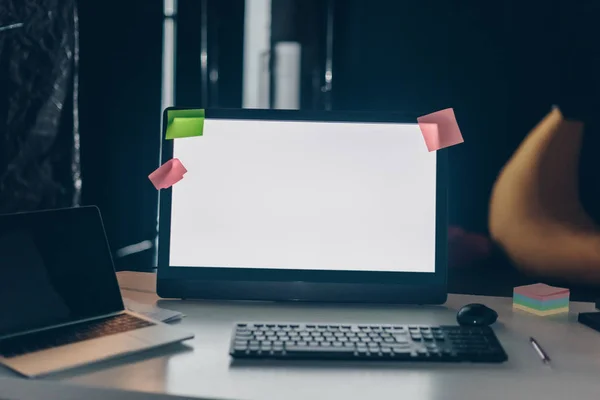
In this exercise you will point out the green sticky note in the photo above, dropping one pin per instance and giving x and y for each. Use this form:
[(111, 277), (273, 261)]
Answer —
[(184, 123)]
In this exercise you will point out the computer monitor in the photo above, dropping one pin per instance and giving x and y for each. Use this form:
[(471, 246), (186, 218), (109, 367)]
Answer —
[(313, 206)]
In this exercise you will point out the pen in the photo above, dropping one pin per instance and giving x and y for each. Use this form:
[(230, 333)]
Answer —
[(538, 349)]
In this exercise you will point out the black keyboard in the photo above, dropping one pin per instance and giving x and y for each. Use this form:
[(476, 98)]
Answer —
[(366, 342), (16, 346)]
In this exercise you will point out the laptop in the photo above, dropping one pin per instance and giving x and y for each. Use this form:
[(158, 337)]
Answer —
[(60, 302)]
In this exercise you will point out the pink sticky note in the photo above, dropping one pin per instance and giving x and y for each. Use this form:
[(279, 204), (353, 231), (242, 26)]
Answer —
[(440, 129), (167, 174), (541, 291)]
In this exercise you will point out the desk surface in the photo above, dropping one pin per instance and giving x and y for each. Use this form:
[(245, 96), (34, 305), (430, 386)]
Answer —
[(201, 367)]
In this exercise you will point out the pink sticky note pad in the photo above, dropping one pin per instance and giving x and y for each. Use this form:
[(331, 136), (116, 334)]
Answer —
[(440, 129), (541, 291), (167, 174)]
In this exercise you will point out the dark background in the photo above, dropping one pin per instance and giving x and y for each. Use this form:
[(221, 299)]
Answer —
[(485, 60), (491, 61)]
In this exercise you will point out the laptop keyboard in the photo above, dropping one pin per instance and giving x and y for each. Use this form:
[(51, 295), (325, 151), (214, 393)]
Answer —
[(17, 346)]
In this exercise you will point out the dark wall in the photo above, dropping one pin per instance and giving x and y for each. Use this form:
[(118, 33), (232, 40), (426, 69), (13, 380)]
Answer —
[(120, 101), (491, 61), (225, 44), (483, 60)]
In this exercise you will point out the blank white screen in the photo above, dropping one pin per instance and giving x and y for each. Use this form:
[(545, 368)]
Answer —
[(305, 195)]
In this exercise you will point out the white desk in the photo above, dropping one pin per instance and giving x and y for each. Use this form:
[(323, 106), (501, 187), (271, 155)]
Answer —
[(202, 368)]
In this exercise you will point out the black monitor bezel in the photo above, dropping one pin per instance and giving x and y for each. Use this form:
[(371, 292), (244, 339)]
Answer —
[(303, 285)]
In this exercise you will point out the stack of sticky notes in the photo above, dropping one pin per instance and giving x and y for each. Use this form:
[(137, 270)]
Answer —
[(541, 299)]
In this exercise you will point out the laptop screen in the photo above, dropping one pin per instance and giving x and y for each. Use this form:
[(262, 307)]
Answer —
[(55, 267), (305, 195)]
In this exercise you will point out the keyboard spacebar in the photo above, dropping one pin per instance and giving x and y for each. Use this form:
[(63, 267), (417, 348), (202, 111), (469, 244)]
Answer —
[(305, 350)]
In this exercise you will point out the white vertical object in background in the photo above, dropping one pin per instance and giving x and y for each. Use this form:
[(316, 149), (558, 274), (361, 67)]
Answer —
[(168, 59), (287, 75), (257, 38)]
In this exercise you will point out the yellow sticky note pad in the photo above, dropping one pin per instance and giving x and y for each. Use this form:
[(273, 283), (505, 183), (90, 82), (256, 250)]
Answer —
[(539, 313), (184, 123)]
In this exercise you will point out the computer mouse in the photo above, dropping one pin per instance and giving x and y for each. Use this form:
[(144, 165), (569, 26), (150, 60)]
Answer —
[(476, 315)]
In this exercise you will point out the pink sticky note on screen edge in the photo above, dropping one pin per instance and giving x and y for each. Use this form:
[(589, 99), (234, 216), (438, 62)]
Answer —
[(440, 129), (167, 174)]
